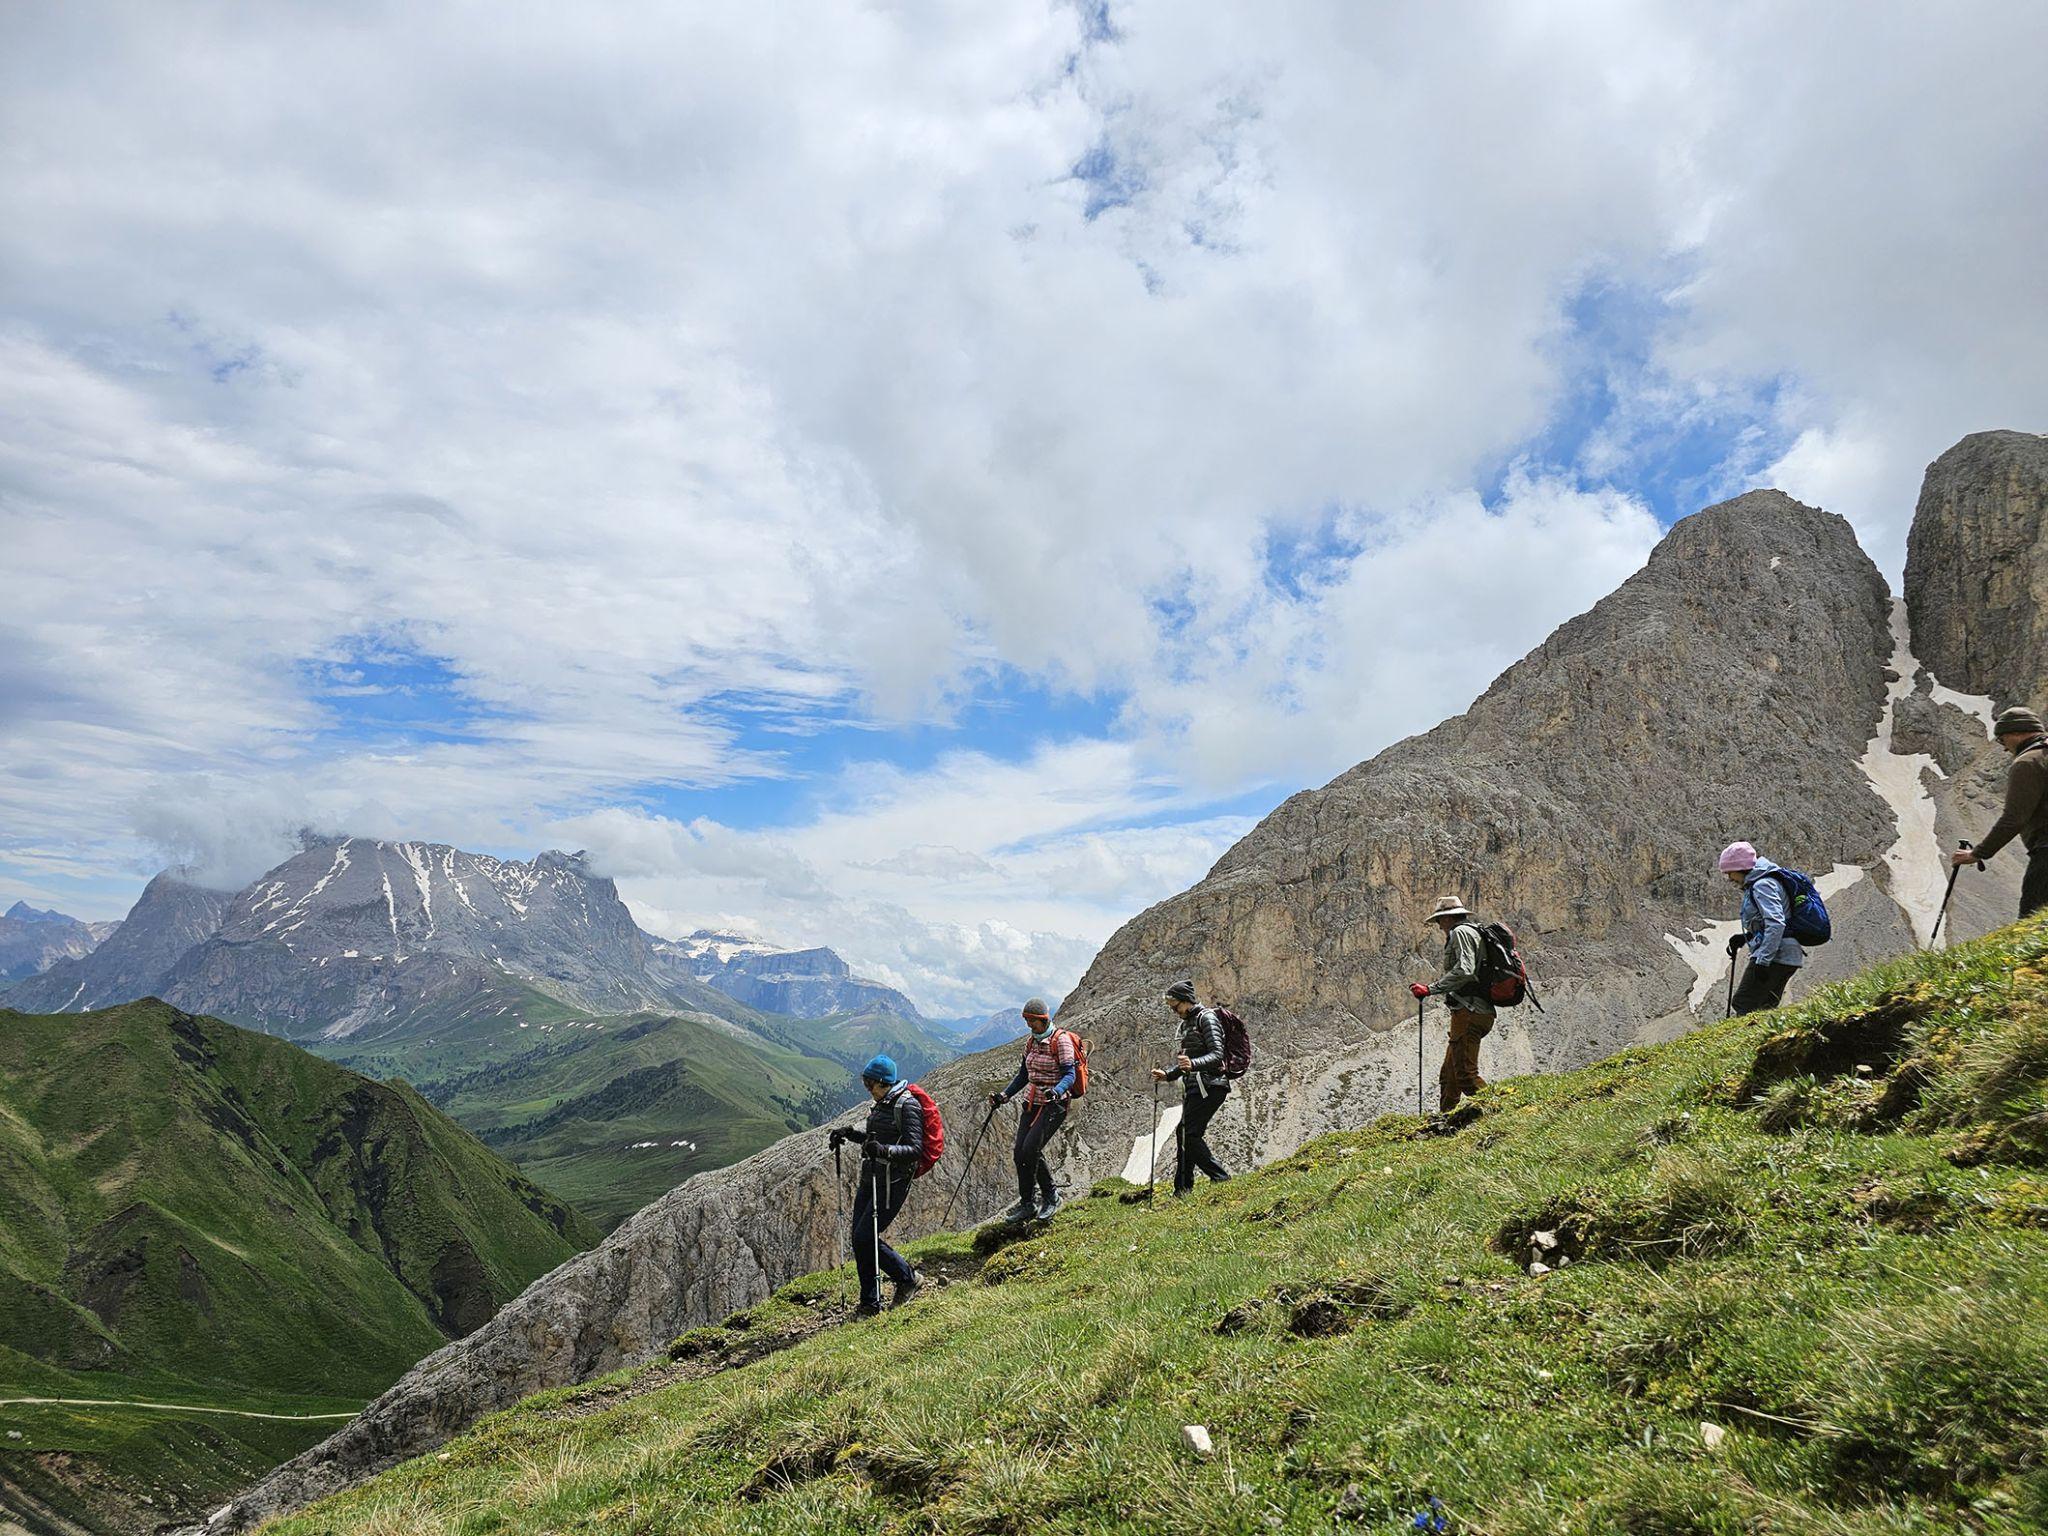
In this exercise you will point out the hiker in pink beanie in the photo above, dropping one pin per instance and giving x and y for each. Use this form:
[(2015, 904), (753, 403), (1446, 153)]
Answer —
[(1774, 955)]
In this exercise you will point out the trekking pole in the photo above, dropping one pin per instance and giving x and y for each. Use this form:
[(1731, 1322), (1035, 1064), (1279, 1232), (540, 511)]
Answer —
[(985, 1120), (1152, 1146), (1729, 1011), (875, 1218), (1419, 1110), (839, 1197), (1953, 871)]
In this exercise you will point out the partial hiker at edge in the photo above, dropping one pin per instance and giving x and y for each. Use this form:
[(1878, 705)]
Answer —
[(1047, 1076), (2025, 816), (901, 1141), (1198, 1065), (1464, 993)]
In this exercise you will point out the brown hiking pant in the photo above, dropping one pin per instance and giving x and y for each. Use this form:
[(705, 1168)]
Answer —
[(1460, 1074)]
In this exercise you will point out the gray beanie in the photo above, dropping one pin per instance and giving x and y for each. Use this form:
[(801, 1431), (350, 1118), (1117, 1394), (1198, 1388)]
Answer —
[(1181, 992), (1036, 1009), (2016, 721)]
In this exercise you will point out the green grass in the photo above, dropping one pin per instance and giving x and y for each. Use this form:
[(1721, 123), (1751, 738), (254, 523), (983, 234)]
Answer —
[(1844, 1272), (194, 1213)]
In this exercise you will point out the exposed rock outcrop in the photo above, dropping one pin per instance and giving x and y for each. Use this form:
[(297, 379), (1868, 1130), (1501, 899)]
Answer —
[(1977, 589), (1581, 798), (1976, 571)]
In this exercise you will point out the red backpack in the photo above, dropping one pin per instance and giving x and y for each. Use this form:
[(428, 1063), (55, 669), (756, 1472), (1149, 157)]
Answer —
[(934, 1131)]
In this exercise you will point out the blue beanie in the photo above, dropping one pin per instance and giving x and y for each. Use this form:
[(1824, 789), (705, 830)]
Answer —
[(880, 1070)]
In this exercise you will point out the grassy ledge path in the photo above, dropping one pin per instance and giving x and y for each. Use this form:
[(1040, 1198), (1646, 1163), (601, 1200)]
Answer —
[(127, 1402), (1786, 1274)]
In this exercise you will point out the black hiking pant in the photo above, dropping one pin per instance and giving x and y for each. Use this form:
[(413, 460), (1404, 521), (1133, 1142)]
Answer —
[(867, 1230), (1036, 1125), (1196, 1111), (1763, 986), (2034, 884)]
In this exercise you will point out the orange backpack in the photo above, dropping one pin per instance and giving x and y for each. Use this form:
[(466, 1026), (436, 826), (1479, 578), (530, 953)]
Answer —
[(1080, 1064)]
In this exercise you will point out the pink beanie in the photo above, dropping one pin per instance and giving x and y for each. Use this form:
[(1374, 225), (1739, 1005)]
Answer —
[(1737, 856)]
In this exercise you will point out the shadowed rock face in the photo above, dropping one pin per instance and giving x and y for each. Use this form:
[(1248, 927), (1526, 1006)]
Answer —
[(1582, 798), (1976, 570), (1977, 589)]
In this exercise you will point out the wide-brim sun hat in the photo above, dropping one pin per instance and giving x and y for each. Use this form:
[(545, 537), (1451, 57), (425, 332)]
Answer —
[(1450, 906)]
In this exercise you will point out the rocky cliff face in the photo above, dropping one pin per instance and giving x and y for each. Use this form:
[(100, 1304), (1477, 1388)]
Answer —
[(1736, 687), (169, 919), (1976, 575), (1977, 589)]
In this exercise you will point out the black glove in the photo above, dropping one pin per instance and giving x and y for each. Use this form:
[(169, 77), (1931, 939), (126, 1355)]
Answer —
[(838, 1135), (1735, 942), (871, 1152), (995, 1100)]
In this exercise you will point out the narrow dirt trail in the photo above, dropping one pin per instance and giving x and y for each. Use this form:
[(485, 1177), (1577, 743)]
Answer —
[(123, 1402)]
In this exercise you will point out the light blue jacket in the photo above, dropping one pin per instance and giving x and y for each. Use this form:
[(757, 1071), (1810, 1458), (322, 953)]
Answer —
[(1763, 919)]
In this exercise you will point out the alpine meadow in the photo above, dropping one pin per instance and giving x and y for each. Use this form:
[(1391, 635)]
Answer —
[(1074, 766)]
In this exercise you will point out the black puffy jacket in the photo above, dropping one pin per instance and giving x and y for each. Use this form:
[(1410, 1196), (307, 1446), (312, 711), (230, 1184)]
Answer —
[(1201, 1041), (895, 1130)]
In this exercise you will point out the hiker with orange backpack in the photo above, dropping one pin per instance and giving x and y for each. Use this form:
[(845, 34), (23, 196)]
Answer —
[(1048, 1075), (1199, 1065), (901, 1141)]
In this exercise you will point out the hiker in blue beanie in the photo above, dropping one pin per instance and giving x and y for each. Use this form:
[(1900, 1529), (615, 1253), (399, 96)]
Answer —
[(891, 1149)]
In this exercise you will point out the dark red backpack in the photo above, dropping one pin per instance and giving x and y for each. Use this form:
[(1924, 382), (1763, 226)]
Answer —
[(1237, 1044), (1501, 971)]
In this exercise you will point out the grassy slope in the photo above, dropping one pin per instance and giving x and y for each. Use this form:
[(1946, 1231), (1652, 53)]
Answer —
[(1847, 1272), (570, 1109), (194, 1213)]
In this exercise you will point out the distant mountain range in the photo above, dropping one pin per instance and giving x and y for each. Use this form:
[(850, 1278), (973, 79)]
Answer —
[(33, 940), (521, 996)]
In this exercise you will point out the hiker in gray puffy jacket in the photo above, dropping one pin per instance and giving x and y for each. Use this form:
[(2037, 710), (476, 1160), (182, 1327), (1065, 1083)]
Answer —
[(1199, 1065)]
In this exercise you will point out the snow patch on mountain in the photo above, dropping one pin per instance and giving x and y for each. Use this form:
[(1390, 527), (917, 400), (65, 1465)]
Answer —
[(1914, 858)]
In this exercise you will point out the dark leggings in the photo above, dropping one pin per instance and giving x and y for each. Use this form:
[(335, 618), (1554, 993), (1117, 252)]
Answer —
[(1195, 1114), (2034, 885), (1763, 986), (1035, 1127), (894, 1185)]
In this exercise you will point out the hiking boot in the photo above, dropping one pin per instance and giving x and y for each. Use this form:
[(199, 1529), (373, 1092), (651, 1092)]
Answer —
[(1023, 1210), (868, 1309), (906, 1291), (1047, 1207)]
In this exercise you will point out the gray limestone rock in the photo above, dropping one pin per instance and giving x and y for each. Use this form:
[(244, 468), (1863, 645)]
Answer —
[(1977, 569)]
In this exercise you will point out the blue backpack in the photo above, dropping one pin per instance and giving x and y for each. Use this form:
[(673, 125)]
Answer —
[(1806, 915)]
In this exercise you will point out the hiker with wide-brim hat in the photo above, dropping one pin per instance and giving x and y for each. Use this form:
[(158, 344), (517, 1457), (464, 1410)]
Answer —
[(1774, 955), (1465, 995), (1198, 1065), (890, 1147), (2025, 816), (1045, 1076)]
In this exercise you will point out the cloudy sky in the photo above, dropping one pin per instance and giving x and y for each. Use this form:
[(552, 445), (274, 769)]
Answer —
[(921, 478)]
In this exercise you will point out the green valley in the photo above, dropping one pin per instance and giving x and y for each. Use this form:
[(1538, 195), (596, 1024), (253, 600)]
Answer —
[(1786, 1273), (611, 1113), (193, 1214)]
